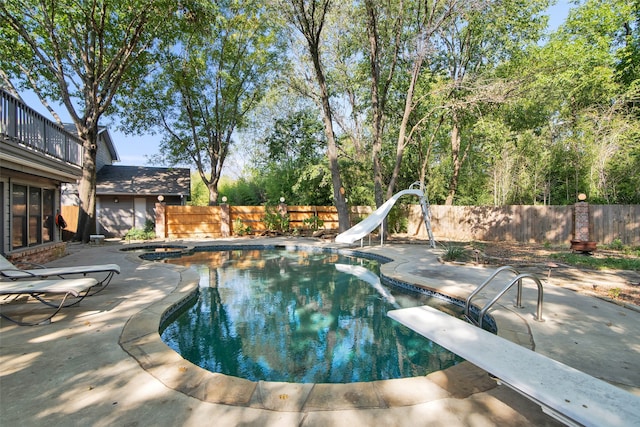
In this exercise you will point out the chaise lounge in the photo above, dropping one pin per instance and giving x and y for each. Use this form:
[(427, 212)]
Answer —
[(41, 289), (11, 272)]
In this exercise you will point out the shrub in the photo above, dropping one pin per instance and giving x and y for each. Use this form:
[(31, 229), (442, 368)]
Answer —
[(454, 253), (239, 228), (147, 233), (275, 221), (313, 223)]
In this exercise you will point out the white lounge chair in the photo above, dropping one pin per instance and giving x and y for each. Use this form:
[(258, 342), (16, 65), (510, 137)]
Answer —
[(11, 272), (39, 289)]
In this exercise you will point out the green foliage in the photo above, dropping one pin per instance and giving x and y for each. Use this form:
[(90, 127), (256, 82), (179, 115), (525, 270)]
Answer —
[(397, 221), (454, 253), (243, 192), (146, 233), (616, 245), (199, 191), (599, 263), (275, 221), (314, 223), (207, 82), (239, 229), (615, 293)]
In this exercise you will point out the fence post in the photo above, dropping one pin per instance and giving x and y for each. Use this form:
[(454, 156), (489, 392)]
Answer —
[(161, 220), (282, 207), (225, 220)]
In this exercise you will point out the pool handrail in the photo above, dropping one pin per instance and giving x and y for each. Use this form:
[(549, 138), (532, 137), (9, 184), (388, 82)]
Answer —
[(518, 304)]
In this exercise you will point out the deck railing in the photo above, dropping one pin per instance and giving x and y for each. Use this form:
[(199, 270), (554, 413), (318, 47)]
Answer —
[(21, 124)]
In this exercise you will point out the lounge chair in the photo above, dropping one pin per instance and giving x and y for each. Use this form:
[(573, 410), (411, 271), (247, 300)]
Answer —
[(11, 272), (39, 289)]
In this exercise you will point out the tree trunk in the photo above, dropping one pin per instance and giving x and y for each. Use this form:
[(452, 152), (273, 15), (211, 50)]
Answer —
[(87, 186), (332, 151), (456, 160), (402, 133), (376, 103)]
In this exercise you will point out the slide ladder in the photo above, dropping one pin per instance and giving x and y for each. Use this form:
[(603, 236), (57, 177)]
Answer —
[(426, 213)]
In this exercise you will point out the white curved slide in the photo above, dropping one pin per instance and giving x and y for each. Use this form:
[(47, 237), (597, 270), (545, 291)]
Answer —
[(374, 220)]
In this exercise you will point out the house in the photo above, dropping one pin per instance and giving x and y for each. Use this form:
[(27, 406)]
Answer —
[(126, 195), (37, 157), (40, 165)]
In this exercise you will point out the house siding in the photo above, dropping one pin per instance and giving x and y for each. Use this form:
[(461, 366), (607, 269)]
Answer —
[(103, 157), (115, 218)]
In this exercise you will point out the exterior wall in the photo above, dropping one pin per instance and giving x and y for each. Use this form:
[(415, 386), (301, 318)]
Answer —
[(115, 219), (115, 215), (103, 157), (39, 255)]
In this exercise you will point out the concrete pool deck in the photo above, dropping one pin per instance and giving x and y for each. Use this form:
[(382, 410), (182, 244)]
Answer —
[(102, 362)]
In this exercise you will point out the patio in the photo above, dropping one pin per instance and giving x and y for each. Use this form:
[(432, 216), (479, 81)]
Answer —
[(82, 370)]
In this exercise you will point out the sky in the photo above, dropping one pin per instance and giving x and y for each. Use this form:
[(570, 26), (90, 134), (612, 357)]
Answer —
[(133, 150)]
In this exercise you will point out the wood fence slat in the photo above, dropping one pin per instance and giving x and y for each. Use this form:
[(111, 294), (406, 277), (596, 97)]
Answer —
[(542, 224)]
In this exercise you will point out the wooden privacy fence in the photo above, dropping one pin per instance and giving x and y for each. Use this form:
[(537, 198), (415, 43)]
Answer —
[(193, 222), (518, 223)]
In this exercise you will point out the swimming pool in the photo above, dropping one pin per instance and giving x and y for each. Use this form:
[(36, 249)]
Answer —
[(298, 316)]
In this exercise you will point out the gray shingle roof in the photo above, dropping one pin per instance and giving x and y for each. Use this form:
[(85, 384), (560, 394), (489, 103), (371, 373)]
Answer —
[(141, 180)]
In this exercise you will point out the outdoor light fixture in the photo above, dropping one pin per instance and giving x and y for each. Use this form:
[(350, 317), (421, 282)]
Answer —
[(582, 197), (224, 199), (161, 198), (281, 199), (115, 200)]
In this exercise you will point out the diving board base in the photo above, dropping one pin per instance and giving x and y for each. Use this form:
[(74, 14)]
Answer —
[(565, 393)]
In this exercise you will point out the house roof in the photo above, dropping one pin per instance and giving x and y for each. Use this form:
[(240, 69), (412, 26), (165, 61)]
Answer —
[(143, 181)]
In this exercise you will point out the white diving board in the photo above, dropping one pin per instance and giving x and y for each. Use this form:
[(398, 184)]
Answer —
[(565, 393)]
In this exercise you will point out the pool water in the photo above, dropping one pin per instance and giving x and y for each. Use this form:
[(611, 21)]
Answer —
[(299, 316)]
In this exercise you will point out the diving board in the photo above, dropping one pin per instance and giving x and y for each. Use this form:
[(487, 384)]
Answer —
[(565, 393)]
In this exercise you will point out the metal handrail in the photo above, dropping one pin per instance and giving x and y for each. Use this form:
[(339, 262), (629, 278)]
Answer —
[(467, 305), (517, 279), (21, 124)]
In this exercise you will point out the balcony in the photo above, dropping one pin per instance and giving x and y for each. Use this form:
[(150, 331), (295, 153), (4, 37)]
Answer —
[(34, 144)]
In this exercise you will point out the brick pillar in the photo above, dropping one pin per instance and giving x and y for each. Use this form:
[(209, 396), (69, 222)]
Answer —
[(581, 222), (225, 220), (161, 220)]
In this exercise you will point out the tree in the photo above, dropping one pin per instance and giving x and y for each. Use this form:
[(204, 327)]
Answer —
[(479, 38), (80, 54), (206, 85), (309, 18), (293, 165)]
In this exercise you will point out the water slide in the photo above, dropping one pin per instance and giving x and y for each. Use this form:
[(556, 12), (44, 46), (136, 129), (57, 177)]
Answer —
[(374, 220)]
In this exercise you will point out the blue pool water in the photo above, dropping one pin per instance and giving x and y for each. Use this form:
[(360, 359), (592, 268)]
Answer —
[(299, 316)]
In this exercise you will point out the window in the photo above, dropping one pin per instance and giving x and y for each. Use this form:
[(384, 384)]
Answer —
[(35, 216), (32, 216), (48, 215), (19, 216)]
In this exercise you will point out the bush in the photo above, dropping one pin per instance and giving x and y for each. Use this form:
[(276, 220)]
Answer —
[(147, 233), (313, 223), (454, 253), (239, 228), (275, 221)]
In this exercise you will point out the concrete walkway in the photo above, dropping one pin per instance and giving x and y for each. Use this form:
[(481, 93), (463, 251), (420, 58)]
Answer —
[(102, 363)]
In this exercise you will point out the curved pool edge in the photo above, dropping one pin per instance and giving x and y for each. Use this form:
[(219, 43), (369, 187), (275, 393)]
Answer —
[(140, 338)]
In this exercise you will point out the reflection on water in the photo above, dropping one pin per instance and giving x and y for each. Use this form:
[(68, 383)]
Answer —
[(297, 316)]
